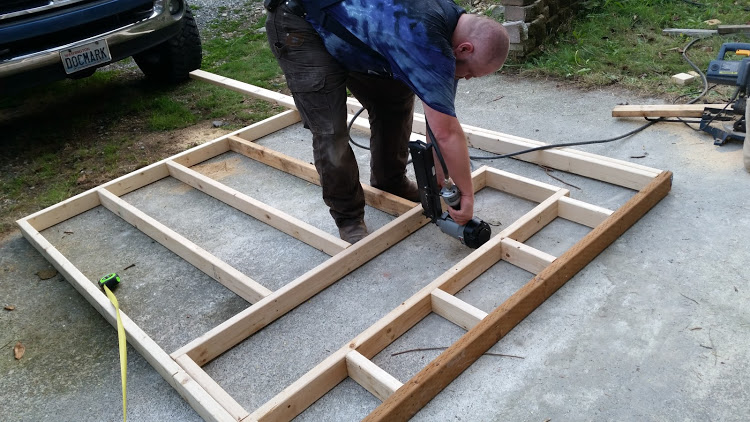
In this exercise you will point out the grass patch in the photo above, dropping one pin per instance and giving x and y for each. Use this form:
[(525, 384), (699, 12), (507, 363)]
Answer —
[(621, 42), (63, 138)]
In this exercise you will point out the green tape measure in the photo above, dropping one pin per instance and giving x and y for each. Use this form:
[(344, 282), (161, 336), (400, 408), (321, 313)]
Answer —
[(108, 283), (110, 280)]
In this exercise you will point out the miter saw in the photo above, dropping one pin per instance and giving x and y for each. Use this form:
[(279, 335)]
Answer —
[(734, 72)]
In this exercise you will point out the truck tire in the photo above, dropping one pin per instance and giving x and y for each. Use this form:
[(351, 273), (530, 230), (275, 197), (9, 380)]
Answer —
[(173, 60)]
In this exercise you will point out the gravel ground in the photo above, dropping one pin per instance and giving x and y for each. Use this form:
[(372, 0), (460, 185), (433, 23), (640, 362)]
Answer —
[(208, 11)]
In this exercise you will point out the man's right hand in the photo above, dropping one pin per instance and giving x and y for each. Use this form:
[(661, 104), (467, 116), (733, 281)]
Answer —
[(466, 213)]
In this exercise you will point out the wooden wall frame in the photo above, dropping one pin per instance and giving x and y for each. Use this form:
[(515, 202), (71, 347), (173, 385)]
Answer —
[(182, 368)]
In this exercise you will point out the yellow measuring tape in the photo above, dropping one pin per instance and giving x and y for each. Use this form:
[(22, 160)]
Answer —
[(113, 280)]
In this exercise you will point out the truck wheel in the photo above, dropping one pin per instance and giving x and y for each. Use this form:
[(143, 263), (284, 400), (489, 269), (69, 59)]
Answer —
[(174, 59)]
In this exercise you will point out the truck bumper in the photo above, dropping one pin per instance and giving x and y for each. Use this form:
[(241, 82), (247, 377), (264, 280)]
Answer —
[(46, 66)]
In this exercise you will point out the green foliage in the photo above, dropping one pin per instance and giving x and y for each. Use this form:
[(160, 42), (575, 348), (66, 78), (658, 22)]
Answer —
[(169, 114), (621, 42)]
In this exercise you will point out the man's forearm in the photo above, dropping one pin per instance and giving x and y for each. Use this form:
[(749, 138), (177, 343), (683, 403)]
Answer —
[(456, 156), (452, 143)]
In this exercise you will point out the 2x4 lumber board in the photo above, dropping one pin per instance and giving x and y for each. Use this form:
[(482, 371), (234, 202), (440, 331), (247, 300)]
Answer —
[(456, 310), (275, 159), (209, 151), (215, 268), (662, 110), (62, 211), (249, 133), (305, 391), (582, 212), (270, 125), (212, 388), (534, 143), (565, 160), (426, 384), (606, 169), (525, 257), (519, 186), (419, 129), (202, 402), (373, 378), (199, 399), (244, 88), (384, 201), (275, 218), (621, 173), (533, 221), (731, 29), (689, 32), (244, 324)]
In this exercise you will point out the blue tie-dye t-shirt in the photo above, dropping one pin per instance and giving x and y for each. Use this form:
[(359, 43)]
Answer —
[(412, 39)]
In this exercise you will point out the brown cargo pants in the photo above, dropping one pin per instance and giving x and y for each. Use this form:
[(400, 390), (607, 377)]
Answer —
[(318, 83)]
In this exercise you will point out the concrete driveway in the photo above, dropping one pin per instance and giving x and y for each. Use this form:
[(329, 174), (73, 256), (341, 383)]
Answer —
[(655, 328)]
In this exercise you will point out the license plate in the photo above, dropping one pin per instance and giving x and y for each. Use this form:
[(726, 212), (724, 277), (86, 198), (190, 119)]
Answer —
[(85, 56)]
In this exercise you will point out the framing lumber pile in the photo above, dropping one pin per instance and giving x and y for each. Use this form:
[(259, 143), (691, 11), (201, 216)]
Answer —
[(183, 367)]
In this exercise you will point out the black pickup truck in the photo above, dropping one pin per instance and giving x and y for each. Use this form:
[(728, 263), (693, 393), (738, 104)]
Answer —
[(47, 40)]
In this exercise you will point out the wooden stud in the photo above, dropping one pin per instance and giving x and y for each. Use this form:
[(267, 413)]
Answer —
[(525, 257), (215, 268), (206, 152), (621, 173), (280, 220), (373, 378), (519, 186), (536, 219), (270, 125), (64, 210), (202, 402), (582, 212), (384, 201), (302, 393), (275, 159), (85, 201), (212, 388), (244, 88), (456, 310)]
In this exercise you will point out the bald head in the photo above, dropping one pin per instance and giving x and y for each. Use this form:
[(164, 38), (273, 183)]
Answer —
[(480, 45)]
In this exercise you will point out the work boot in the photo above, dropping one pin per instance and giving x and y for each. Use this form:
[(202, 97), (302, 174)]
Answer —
[(406, 189), (353, 231)]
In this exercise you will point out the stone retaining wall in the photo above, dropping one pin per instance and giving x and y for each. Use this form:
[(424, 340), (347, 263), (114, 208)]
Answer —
[(529, 22)]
